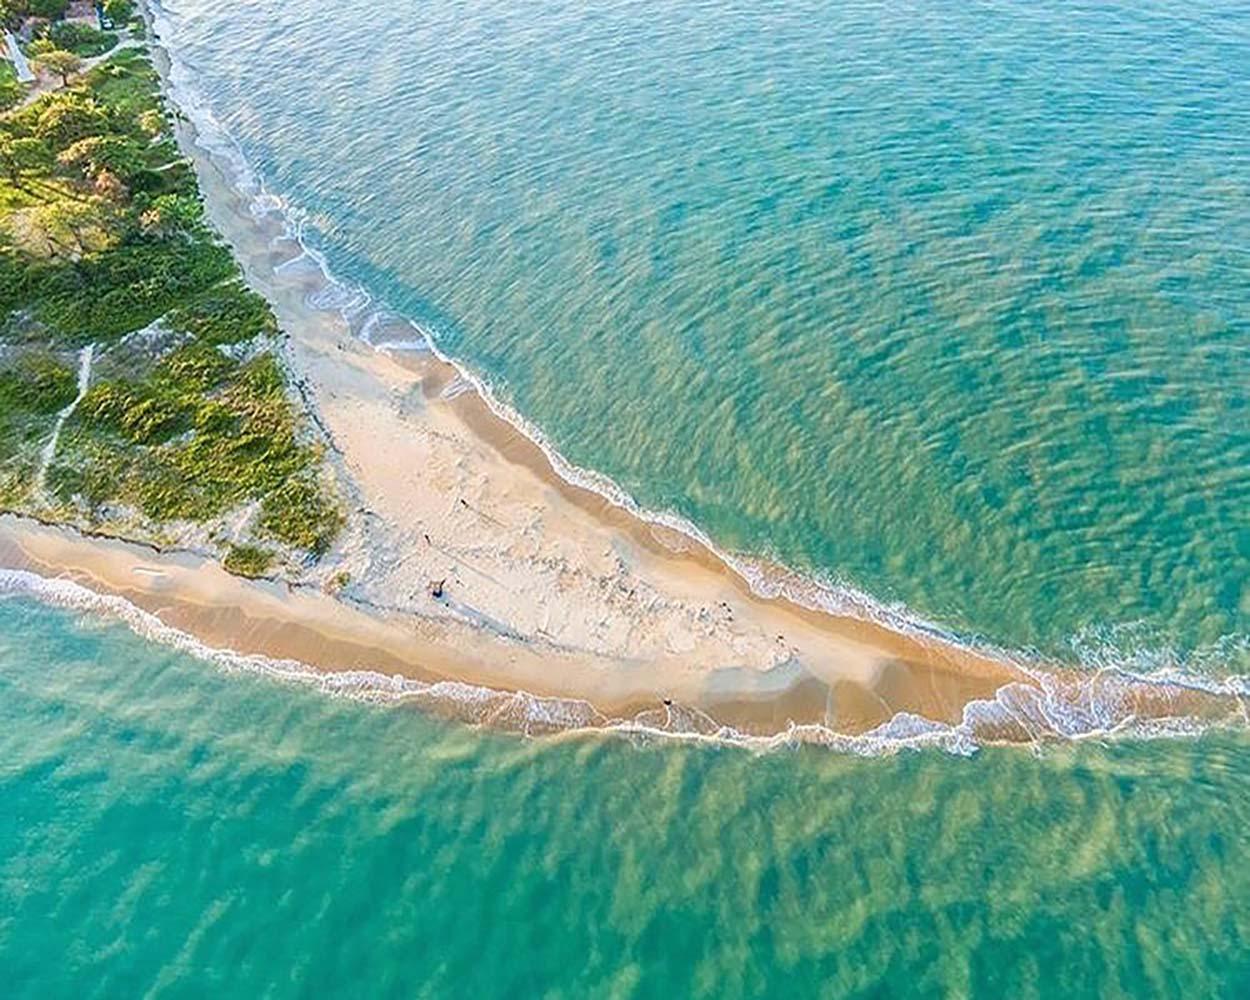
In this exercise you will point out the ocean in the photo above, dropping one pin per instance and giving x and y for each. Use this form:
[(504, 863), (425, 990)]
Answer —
[(941, 303), (168, 829), (944, 302)]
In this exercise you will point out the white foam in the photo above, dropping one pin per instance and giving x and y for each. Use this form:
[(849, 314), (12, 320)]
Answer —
[(1093, 706), (359, 685), (365, 315)]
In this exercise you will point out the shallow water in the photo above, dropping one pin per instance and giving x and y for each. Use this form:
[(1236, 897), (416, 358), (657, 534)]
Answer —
[(948, 301), (168, 828)]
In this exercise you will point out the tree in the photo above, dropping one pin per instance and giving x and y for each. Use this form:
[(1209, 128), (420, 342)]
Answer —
[(66, 229), (41, 46), (11, 92), (98, 154), (21, 153), (153, 123), (119, 11), (171, 215), (63, 64), (65, 117), (53, 10), (13, 13), (110, 187)]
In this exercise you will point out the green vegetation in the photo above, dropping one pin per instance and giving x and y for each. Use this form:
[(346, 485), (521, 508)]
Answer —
[(14, 12), (33, 388), (51, 10), (119, 11), (201, 435), (81, 39), (187, 416), (248, 560), (11, 92), (60, 63), (340, 580)]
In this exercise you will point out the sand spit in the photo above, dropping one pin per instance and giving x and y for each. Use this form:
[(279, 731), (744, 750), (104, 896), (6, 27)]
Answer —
[(296, 633), (468, 559)]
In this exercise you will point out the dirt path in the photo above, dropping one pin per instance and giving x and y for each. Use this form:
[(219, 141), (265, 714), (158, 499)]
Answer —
[(47, 83)]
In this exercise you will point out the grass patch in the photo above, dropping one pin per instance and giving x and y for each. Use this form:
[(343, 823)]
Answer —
[(128, 82), (34, 387), (200, 435), (226, 314), (301, 514), (112, 292), (13, 198), (37, 383), (248, 560), (102, 234)]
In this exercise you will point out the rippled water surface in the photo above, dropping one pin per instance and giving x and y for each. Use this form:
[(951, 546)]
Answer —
[(946, 300), (166, 830)]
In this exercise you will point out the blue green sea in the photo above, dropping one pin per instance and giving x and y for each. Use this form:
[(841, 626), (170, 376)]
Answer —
[(944, 301), (170, 830), (945, 305)]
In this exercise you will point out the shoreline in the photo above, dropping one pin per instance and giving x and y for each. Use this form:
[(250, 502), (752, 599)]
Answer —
[(286, 624), (295, 633), (499, 477), (553, 590)]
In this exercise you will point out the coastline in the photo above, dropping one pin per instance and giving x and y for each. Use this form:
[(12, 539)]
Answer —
[(549, 564), (296, 633), (551, 588)]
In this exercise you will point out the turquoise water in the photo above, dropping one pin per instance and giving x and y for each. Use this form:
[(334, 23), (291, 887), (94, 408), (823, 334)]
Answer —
[(169, 830), (947, 301)]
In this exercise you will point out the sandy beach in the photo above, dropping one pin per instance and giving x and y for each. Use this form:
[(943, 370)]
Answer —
[(467, 557)]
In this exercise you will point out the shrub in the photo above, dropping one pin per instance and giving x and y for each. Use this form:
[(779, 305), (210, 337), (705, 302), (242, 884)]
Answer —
[(197, 367), (37, 384), (248, 560), (119, 11), (135, 412), (11, 92), (64, 117), (227, 314), (300, 514), (51, 10), (82, 39)]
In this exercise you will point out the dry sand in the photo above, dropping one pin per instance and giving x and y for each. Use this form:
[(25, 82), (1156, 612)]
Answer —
[(549, 587)]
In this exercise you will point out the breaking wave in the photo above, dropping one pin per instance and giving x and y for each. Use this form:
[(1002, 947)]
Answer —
[(1048, 709), (1141, 689)]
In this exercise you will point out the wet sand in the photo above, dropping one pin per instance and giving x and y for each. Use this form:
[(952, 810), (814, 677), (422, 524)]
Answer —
[(449, 490), (283, 621), (462, 674), (548, 587)]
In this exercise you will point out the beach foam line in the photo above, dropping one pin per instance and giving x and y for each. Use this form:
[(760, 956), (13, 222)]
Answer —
[(359, 685), (1100, 706), (364, 314)]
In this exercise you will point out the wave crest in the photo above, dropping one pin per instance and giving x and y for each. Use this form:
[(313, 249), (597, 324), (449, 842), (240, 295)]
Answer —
[(1107, 704), (1049, 705)]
